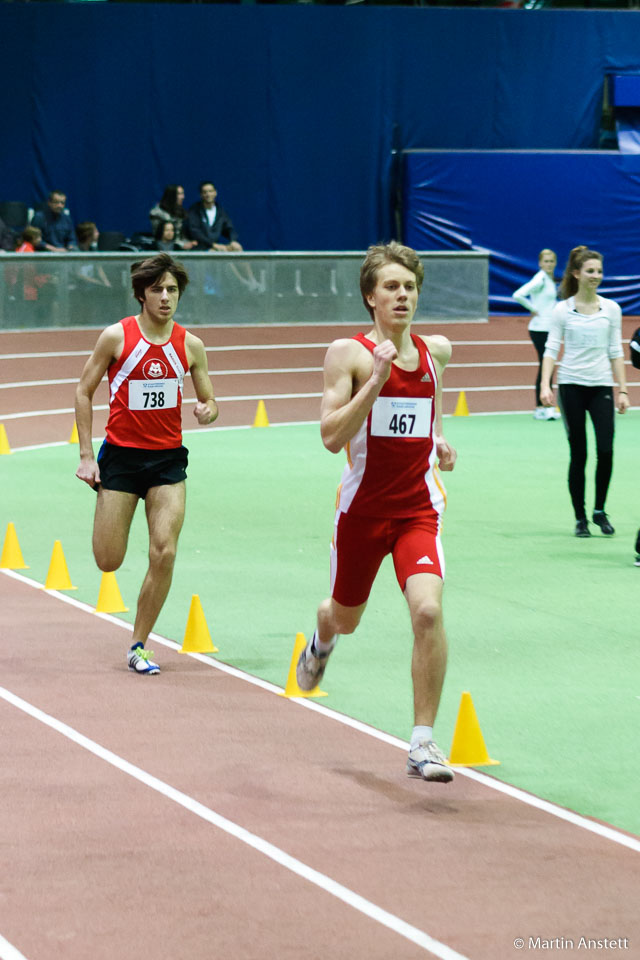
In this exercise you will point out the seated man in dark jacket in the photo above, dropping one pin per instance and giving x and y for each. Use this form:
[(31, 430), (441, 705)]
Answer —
[(55, 223), (210, 224)]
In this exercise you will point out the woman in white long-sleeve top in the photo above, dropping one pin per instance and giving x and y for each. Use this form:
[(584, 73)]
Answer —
[(590, 327), (538, 296)]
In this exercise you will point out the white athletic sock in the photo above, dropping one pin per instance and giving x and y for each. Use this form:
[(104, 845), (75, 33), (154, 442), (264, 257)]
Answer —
[(420, 734), (317, 646)]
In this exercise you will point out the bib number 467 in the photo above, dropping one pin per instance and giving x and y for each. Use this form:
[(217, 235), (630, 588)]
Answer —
[(403, 418), (402, 423)]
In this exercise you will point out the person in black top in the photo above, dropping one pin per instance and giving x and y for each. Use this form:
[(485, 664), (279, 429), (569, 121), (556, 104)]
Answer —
[(209, 224), (634, 350)]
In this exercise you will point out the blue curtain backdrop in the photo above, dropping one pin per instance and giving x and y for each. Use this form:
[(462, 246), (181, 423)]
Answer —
[(516, 204), (291, 110)]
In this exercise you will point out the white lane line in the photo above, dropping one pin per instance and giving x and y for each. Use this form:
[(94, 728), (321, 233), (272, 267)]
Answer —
[(231, 348), (321, 880), (246, 371), (185, 402), (230, 373), (8, 951), (592, 826), (251, 396), (36, 383), (45, 356), (212, 373), (246, 426), (239, 347)]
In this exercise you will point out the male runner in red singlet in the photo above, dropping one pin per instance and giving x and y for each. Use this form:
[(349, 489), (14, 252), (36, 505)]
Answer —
[(146, 357), (382, 403)]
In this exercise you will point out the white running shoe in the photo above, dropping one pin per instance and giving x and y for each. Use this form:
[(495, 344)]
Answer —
[(139, 660), (540, 413), (311, 666), (427, 762)]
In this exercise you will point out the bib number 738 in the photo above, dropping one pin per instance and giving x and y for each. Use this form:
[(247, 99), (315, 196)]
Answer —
[(153, 399), (153, 394), (401, 417)]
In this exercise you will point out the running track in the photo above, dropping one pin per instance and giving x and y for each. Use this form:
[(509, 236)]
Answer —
[(200, 816)]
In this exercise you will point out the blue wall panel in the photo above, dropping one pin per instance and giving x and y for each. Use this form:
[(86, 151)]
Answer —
[(515, 204)]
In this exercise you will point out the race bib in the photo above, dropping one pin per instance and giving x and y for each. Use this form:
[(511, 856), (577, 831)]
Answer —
[(402, 417), (153, 394), (589, 338)]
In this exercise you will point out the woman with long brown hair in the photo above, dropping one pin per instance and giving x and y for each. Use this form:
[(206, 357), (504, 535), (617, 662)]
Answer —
[(590, 328)]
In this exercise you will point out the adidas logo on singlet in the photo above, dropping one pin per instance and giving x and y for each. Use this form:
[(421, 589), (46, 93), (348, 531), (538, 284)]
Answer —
[(425, 559), (426, 378)]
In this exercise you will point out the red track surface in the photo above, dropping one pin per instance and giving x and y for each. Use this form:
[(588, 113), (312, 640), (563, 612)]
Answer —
[(98, 865), (473, 344)]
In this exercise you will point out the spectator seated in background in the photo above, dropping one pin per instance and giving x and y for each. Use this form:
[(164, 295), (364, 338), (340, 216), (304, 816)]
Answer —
[(91, 292), (209, 224), (164, 236), (56, 224), (87, 234), (171, 210), (30, 240), (90, 273), (24, 282), (7, 237)]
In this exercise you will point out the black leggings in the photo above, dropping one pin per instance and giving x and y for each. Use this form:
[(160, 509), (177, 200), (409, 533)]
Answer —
[(539, 338), (575, 402)]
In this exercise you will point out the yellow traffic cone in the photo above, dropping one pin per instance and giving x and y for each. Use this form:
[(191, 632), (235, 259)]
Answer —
[(292, 689), (74, 434), (197, 638), (4, 441), (468, 747), (11, 558), (461, 410), (58, 576), (261, 419), (109, 598)]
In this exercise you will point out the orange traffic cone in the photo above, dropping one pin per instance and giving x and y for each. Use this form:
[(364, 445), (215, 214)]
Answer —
[(468, 747), (4, 441), (58, 576), (109, 598), (197, 638), (261, 418), (11, 558), (462, 409)]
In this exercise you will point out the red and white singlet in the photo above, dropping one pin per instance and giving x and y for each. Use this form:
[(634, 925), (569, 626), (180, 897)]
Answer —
[(145, 390), (391, 460)]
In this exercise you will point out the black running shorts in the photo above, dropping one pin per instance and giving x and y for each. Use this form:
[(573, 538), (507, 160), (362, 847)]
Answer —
[(133, 470)]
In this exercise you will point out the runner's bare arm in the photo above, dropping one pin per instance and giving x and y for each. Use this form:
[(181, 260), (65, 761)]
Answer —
[(343, 412), (440, 350), (107, 349), (206, 409)]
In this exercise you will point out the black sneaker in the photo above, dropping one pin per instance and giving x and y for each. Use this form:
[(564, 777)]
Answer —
[(602, 520), (582, 528), (637, 560)]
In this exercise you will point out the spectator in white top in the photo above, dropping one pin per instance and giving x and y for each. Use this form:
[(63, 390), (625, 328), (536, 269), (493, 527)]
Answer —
[(634, 353), (538, 296), (590, 327)]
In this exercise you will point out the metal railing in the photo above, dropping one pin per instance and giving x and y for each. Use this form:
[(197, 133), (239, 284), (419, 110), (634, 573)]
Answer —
[(94, 289)]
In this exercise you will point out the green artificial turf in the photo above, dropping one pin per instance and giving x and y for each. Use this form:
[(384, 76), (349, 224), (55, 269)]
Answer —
[(541, 625)]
